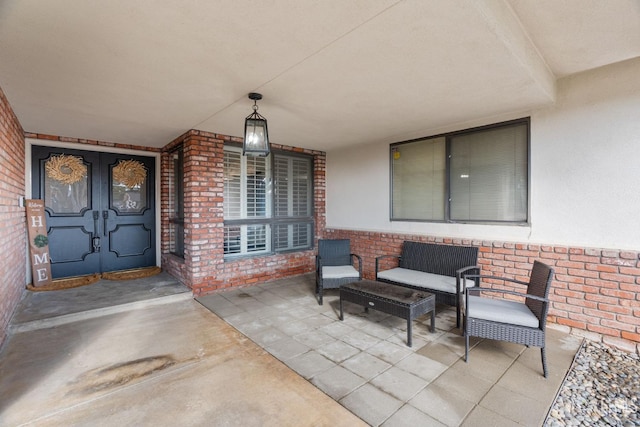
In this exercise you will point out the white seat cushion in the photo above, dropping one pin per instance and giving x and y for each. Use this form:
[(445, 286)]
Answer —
[(421, 279), (339, 272), (503, 311)]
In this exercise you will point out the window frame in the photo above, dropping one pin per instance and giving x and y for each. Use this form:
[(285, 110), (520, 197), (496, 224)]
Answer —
[(270, 220), (176, 202), (526, 121)]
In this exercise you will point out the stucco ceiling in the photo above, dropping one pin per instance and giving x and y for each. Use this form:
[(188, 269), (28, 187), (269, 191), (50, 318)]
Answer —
[(332, 72)]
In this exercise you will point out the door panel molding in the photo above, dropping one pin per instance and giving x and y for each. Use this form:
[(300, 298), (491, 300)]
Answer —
[(75, 252), (119, 248)]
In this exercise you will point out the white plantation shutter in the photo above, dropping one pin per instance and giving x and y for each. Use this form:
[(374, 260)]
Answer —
[(281, 185), (246, 181), (293, 198), (232, 185), (293, 186), (256, 186), (251, 195)]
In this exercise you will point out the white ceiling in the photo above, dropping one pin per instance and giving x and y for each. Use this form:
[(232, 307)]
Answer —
[(332, 72)]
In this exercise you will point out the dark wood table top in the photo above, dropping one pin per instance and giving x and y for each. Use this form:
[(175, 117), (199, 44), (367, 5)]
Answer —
[(389, 291)]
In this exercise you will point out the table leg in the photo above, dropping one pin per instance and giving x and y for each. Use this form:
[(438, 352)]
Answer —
[(433, 320)]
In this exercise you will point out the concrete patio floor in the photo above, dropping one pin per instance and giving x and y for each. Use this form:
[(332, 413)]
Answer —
[(278, 358)]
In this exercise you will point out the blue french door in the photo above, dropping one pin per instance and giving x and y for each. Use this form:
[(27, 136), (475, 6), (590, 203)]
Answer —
[(100, 209)]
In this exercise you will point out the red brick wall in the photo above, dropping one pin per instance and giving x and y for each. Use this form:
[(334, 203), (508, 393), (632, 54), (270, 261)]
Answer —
[(203, 267), (595, 292), (13, 230)]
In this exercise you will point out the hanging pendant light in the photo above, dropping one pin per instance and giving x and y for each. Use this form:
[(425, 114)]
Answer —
[(256, 137)]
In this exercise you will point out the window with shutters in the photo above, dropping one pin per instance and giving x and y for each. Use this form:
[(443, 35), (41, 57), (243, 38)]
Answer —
[(268, 203), (293, 202), (477, 176), (176, 203)]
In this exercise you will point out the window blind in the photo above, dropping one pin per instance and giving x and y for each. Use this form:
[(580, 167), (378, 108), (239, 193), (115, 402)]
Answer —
[(488, 175), (419, 172)]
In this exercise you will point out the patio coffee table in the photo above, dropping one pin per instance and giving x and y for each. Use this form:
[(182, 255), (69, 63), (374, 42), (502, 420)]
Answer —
[(391, 299)]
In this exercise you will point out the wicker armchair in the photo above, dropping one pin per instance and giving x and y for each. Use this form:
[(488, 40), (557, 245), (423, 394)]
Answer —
[(335, 265), (510, 320)]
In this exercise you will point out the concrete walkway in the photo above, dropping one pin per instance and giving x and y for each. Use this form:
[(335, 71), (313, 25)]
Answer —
[(160, 358), (173, 364)]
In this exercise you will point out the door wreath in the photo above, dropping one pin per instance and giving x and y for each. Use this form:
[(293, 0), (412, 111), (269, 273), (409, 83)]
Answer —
[(66, 169), (130, 172)]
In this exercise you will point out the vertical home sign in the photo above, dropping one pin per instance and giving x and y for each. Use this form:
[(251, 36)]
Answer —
[(38, 243)]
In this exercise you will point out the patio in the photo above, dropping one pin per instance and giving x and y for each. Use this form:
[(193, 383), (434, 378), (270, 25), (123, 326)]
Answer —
[(163, 359), (364, 363)]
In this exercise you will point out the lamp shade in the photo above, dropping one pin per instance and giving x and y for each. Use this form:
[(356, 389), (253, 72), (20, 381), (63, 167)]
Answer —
[(256, 136)]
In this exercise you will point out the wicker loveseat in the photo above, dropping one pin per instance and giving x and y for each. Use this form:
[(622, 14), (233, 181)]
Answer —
[(431, 267)]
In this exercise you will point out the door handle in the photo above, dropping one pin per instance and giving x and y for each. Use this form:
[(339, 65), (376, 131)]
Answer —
[(95, 240), (105, 218)]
